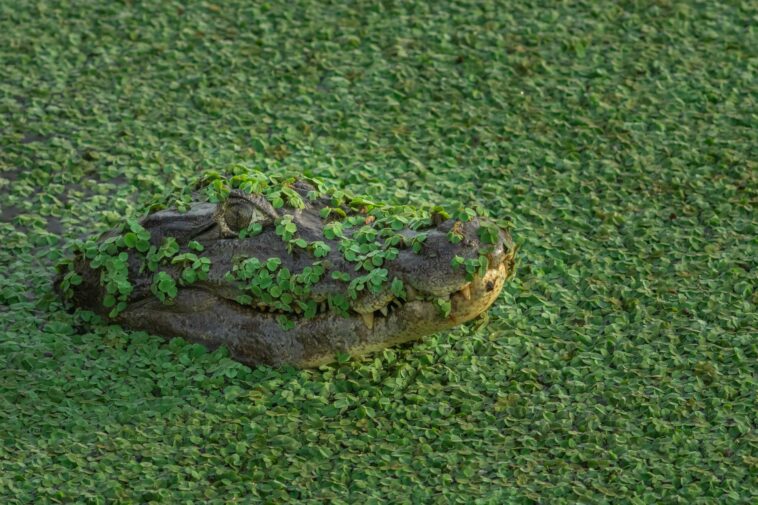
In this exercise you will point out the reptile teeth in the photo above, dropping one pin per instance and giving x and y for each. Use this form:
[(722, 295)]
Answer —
[(466, 291), (412, 293), (384, 311), (368, 320)]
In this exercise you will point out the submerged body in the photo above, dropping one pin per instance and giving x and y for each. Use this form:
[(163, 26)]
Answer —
[(282, 271)]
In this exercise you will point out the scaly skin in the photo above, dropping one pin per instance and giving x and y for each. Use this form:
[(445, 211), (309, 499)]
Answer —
[(421, 287)]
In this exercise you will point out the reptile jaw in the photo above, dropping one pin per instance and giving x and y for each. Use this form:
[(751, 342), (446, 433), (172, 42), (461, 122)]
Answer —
[(466, 303)]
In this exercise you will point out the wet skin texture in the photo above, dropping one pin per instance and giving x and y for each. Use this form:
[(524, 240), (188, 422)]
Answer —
[(208, 311)]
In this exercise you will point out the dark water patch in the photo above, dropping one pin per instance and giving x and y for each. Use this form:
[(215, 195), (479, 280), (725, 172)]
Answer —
[(54, 225), (11, 174), (34, 137), (119, 180), (9, 213)]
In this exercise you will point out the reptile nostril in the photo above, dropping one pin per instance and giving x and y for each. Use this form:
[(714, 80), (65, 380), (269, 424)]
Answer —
[(490, 286)]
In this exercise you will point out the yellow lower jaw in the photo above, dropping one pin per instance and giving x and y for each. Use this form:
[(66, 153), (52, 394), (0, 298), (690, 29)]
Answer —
[(477, 297), (482, 292)]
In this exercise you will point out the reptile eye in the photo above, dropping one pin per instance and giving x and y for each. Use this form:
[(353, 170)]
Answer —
[(238, 214)]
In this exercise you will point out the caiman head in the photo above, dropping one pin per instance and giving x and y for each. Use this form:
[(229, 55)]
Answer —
[(283, 270)]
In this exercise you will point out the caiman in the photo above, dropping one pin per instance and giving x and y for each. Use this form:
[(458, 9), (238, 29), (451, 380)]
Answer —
[(285, 270)]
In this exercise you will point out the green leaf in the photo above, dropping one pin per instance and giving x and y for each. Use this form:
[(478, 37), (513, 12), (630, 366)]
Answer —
[(397, 288), (130, 240), (189, 276), (109, 301), (333, 230), (464, 214), (443, 305), (457, 261), (284, 322), (488, 234), (258, 145), (417, 242), (341, 276), (454, 237), (320, 249), (252, 230)]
